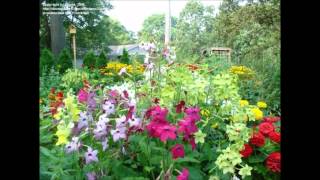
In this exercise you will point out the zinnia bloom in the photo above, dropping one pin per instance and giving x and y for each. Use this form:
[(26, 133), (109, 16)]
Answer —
[(266, 128), (258, 114), (177, 151), (257, 139), (184, 175), (275, 137), (244, 103), (271, 119), (247, 151), (91, 156), (262, 104), (273, 162)]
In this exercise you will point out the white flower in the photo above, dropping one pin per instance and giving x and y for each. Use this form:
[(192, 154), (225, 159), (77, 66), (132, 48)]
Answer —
[(134, 121), (121, 122), (109, 108), (105, 144), (118, 133), (122, 71)]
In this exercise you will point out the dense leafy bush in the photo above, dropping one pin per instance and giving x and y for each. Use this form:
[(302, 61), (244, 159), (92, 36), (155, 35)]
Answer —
[(64, 61), (73, 78), (101, 60), (47, 60), (90, 59), (125, 58)]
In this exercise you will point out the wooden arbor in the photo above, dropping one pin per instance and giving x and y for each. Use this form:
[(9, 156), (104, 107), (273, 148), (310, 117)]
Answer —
[(220, 51)]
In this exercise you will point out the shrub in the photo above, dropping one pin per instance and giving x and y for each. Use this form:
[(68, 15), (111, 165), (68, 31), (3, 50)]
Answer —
[(125, 58), (90, 59), (46, 60), (64, 61), (101, 60)]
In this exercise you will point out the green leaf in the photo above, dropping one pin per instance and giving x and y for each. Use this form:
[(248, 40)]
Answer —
[(187, 159), (256, 159)]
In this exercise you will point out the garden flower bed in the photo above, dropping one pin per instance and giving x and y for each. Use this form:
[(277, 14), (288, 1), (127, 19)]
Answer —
[(183, 121)]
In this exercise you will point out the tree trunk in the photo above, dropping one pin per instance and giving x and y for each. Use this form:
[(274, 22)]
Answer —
[(58, 39)]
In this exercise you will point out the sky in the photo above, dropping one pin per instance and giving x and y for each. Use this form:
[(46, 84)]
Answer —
[(132, 13)]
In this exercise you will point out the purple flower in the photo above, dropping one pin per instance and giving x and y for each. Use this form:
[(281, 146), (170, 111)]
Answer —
[(83, 120), (134, 121), (73, 145), (100, 132), (109, 108), (118, 133), (91, 176), (91, 156), (103, 118), (121, 122), (92, 104), (104, 144)]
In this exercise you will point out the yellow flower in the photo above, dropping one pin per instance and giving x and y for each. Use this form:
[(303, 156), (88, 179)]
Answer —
[(62, 139), (262, 104), (40, 101), (215, 125), (244, 103), (205, 112), (258, 114), (58, 115)]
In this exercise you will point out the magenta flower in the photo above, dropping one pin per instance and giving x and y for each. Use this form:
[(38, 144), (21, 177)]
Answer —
[(82, 96), (159, 115), (153, 126), (113, 93), (193, 113), (92, 104), (184, 175), (177, 151), (167, 132), (187, 126), (100, 132), (118, 133), (91, 156)]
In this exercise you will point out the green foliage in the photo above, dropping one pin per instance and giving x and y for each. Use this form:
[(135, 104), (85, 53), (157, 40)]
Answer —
[(90, 59), (153, 29), (125, 58), (47, 60), (49, 79), (73, 79), (64, 61), (101, 60), (193, 28)]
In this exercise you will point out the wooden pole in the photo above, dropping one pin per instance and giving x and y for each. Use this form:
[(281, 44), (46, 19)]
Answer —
[(74, 50)]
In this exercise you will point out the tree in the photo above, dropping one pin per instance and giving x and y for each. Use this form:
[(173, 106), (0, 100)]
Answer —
[(64, 61), (58, 24), (90, 59), (153, 29), (101, 60), (125, 58), (193, 28)]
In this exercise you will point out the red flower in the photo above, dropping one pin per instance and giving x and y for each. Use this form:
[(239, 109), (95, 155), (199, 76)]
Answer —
[(271, 119), (149, 111), (167, 132), (156, 100), (152, 128), (180, 106), (159, 114), (184, 175), (53, 90), (266, 127), (273, 162), (130, 112), (177, 151), (193, 143), (275, 137), (257, 139), (125, 94), (247, 151)]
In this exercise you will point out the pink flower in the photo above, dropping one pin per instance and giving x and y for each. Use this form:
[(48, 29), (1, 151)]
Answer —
[(177, 151), (187, 126), (159, 114), (193, 113), (167, 132), (113, 93), (193, 143), (153, 126), (82, 96), (184, 175)]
